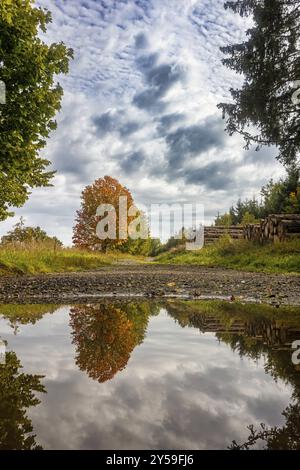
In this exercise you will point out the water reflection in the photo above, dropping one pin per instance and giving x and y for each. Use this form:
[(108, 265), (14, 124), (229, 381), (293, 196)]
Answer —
[(270, 336), (105, 336), (184, 387), (286, 437), (17, 395), (249, 331), (24, 314)]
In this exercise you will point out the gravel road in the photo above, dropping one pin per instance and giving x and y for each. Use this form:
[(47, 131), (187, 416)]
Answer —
[(152, 280)]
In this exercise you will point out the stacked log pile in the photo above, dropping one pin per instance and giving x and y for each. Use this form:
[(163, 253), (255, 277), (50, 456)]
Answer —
[(276, 227), (253, 232), (212, 234)]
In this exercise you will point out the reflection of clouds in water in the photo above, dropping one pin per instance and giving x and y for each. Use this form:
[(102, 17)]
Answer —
[(180, 389)]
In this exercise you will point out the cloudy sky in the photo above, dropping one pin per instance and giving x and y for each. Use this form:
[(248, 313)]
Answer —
[(140, 105)]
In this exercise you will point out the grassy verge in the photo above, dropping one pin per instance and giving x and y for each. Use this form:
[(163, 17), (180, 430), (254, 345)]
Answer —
[(229, 312), (242, 255), (36, 259)]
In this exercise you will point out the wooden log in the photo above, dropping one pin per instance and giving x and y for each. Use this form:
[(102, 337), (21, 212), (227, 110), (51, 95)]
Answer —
[(275, 227), (286, 216)]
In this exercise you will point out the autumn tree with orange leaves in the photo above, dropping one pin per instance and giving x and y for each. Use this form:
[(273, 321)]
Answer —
[(105, 190)]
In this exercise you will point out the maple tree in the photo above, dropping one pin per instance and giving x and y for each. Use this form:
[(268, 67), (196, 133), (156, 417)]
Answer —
[(105, 190)]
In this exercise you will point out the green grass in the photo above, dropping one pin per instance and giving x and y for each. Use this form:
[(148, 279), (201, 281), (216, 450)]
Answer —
[(242, 255), (40, 258)]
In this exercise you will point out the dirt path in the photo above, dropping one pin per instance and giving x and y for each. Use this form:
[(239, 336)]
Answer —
[(151, 281)]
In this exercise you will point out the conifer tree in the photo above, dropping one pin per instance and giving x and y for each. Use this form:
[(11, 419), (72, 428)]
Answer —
[(266, 109)]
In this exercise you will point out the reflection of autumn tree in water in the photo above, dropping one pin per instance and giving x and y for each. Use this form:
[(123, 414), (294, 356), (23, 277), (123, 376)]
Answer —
[(105, 336), (138, 313), (16, 396)]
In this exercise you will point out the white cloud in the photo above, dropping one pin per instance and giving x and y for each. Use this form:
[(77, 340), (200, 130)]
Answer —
[(152, 68)]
